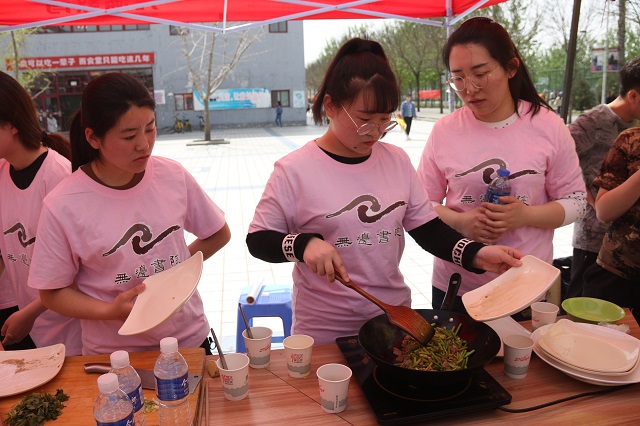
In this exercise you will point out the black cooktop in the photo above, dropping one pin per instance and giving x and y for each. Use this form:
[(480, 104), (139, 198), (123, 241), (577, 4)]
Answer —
[(394, 403)]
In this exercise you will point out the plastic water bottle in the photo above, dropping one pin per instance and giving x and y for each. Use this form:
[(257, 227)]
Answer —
[(130, 383), (113, 407), (172, 385), (499, 187)]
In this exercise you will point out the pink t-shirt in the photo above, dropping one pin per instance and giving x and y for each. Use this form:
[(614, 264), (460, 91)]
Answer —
[(109, 240), (462, 155), (362, 210), (19, 213), (7, 298)]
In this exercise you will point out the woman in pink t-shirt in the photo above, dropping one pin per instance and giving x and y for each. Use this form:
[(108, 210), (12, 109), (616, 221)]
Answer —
[(340, 205), (32, 163), (503, 124), (119, 218)]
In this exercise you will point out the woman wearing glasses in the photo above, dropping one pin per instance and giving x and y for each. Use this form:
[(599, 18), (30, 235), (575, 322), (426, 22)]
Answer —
[(503, 124), (340, 205)]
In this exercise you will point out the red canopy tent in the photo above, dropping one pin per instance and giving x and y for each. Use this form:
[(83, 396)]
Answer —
[(192, 13)]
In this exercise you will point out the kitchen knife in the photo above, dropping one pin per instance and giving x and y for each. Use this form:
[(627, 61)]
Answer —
[(146, 376)]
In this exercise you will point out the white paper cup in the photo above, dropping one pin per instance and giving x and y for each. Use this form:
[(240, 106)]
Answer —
[(235, 378), (258, 348), (333, 380), (297, 351), (543, 313), (517, 355)]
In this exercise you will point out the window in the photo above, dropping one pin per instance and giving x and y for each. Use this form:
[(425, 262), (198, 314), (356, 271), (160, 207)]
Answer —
[(90, 28), (278, 27), (175, 30), (280, 95), (184, 101)]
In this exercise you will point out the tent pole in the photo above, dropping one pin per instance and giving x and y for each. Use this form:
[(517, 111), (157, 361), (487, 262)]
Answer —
[(571, 57)]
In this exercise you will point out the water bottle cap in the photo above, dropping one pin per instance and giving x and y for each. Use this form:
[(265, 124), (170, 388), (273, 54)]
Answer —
[(108, 383), (169, 345), (503, 172), (119, 359)]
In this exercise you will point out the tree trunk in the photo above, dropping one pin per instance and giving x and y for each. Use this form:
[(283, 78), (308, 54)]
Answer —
[(16, 56), (622, 16), (417, 74)]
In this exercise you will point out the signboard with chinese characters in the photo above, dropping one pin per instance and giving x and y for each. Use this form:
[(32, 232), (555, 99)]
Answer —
[(83, 61), (234, 99)]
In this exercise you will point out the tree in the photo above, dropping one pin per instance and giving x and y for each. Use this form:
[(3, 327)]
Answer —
[(13, 42), (206, 75)]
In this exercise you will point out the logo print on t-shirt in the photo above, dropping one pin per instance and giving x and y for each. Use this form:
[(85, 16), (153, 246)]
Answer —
[(363, 209), (145, 236), (22, 234), (489, 172)]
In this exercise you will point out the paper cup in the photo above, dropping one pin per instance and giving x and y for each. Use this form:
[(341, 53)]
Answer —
[(258, 348), (235, 378), (333, 380), (517, 355), (297, 351), (543, 313)]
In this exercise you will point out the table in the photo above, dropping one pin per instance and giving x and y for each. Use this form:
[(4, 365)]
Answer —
[(82, 387), (276, 398)]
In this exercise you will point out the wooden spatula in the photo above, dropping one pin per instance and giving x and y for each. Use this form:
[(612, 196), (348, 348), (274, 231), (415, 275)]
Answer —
[(401, 316)]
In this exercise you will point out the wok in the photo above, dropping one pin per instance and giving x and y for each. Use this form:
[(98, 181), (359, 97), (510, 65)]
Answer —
[(378, 338)]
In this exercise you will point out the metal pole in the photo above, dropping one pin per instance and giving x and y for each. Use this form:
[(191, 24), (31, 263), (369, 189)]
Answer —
[(571, 56)]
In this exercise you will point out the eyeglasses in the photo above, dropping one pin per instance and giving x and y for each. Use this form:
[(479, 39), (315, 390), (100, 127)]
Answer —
[(369, 127), (478, 81)]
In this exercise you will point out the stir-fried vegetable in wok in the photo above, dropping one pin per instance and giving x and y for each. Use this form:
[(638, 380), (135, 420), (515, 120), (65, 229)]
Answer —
[(445, 352)]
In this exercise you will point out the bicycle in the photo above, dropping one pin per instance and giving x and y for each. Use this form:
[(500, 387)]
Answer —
[(178, 125), (186, 125)]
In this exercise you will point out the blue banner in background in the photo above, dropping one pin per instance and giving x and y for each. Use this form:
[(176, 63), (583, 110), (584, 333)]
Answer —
[(234, 99)]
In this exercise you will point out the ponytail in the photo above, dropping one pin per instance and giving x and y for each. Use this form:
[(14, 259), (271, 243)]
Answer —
[(58, 143)]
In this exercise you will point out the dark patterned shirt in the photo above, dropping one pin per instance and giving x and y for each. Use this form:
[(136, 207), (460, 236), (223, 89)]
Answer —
[(620, 251), (594, 132)]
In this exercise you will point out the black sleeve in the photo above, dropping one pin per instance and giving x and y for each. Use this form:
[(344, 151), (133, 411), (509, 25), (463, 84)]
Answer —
[(444, 242), (267, 245)]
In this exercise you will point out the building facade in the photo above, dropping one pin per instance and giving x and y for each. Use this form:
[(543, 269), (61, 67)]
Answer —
[(271, 70)]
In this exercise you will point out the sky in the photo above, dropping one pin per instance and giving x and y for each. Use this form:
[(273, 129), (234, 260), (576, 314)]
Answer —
[(318, 32)]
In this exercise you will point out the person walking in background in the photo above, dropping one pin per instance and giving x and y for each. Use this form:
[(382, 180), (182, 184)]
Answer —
[(279, 114), (353, 224), (52, 123), (610, 97), (594, 133), (32, 163), (616, 273), (504, 124), (120, 217), (408, 112), (557, 103)]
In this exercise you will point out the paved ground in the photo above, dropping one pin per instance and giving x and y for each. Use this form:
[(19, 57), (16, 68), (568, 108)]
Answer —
[(234, 175)]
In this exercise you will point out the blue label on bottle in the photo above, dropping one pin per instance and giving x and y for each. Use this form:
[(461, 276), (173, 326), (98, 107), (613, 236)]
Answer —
[(127, 421), (172, 389), (136, 398), (493, 196)]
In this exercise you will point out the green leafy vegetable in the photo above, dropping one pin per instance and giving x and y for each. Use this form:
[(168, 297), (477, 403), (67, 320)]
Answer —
[(445, 352), (37, 408)]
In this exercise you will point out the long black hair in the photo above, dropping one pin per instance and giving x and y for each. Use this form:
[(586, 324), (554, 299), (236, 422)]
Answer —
[(485, 31), (18, 109), (104, 101), (358, 65)]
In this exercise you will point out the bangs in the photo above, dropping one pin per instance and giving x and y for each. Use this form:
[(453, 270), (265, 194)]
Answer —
[(369, 74)]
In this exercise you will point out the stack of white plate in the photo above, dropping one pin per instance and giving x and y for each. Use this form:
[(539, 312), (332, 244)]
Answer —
[(589, 352)]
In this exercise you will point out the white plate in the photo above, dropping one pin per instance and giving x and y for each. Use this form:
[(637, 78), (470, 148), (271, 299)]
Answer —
[(591, 348), (164, 295), (21, 371), (512, 291), (507, 326), (592, 378)]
